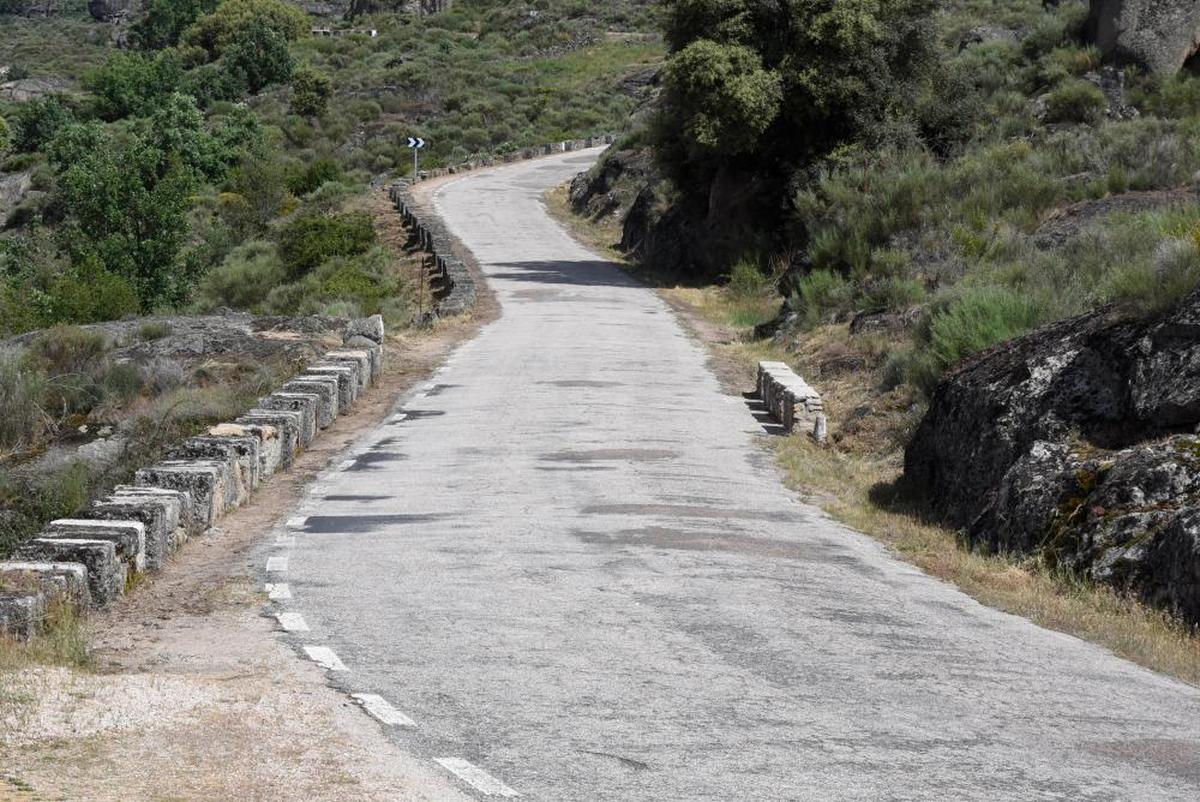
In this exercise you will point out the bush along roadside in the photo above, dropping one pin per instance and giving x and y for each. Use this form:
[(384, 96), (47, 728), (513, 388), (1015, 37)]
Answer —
[(89, 561), (454, 286)]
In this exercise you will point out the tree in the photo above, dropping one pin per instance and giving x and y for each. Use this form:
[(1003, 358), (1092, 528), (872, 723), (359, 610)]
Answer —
[(35, 122), (310, 92), (217, 31), (134, 84), (127, 191), (258, 56), (726, 99), (166, 20)]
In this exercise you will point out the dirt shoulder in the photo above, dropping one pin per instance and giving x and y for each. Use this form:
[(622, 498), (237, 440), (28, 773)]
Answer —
[(189, 695)]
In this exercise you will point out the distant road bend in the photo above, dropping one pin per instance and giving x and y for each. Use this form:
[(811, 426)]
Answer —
[(569, 563)]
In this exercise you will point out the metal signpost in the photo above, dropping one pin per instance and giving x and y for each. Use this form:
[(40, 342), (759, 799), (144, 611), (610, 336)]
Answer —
[(416, 143)]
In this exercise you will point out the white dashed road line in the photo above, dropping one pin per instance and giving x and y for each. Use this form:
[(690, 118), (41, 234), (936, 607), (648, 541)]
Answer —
[(347, 465), (325, 658), (476, 777), (278, 591), (277, 565), (297, 523), (284, 542), (292, 622), (381, 709)]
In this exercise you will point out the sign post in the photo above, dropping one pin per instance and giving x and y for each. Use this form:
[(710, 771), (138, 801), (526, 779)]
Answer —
[(415, 143)]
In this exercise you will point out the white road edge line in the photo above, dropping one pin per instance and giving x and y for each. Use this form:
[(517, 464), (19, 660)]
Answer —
[(347, 465), (381, 709), (277, 565), (325, 658), (292, 622), (282, 542), (296, 523), (475, 777), (278, 591)]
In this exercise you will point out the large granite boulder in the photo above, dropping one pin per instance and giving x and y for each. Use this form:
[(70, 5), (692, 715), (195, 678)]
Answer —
[(110, 10), (1024, 443), (1159, 35)]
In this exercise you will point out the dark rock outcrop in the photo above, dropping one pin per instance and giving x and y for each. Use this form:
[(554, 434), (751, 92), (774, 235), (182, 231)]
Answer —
[(613, 184), (1159, 35), (111, 10), (1075, 442)]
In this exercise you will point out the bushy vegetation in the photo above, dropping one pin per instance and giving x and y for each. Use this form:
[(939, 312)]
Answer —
[(218, 161), (901, 165)]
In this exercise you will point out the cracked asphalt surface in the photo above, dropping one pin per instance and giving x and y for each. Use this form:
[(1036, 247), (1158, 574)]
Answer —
[(570, 563)]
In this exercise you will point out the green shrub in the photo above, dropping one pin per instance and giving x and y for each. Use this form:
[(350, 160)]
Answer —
[(35, 122), (91, 295), (820, 294), (746, 279), (65, 350), (244, 279), (132, 83), (1176, 97), (121, 382), (310, 92), (6, 137), (1075, 101), (309, 240), (1155, 284), (977, 319), (315, 173)]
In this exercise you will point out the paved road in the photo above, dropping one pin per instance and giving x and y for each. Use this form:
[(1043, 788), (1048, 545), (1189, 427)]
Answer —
[(570, 564)]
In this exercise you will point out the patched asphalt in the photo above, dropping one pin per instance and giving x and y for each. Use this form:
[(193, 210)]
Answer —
[(571, 565)]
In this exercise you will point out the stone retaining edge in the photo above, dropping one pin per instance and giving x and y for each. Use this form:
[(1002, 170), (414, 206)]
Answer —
[(89, 561), (790, 400), (456, 292)]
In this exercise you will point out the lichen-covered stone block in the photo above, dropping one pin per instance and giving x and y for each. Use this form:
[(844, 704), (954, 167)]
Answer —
[(106, 573), (373, 349), (268, 443), (347, 381), (129, 536), (152, 514), (21, 613), (205, 481), (240, 454), (325, 388), (304, 403), (361, 357), (65, 581), (175, 504), (287, 425), (369, 327)]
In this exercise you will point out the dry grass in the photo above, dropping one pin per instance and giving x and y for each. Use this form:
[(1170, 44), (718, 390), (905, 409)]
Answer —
[(63, 642), (849, 478)]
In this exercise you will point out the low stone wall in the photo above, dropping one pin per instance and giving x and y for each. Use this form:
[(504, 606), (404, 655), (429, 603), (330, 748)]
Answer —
[(791, 400), (89, 561), (454, 286)]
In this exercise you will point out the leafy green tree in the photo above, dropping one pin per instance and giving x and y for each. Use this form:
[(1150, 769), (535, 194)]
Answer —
[(134, 84), (259, 56), (126, 193), (35, 122), (165, 21), (726, 99), (217, 31), (310, 92)]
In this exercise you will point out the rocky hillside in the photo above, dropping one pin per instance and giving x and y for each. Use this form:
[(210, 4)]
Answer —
[(1077, 443)]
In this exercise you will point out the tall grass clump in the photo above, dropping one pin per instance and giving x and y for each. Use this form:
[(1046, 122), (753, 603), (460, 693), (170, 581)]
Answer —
[(21, 394), (977, 319)]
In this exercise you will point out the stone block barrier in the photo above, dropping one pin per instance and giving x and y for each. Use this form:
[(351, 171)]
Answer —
[(90, 560), (453, 285), (791, 400)]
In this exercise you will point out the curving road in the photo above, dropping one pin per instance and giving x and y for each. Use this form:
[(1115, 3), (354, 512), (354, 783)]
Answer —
[(570, 564)]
